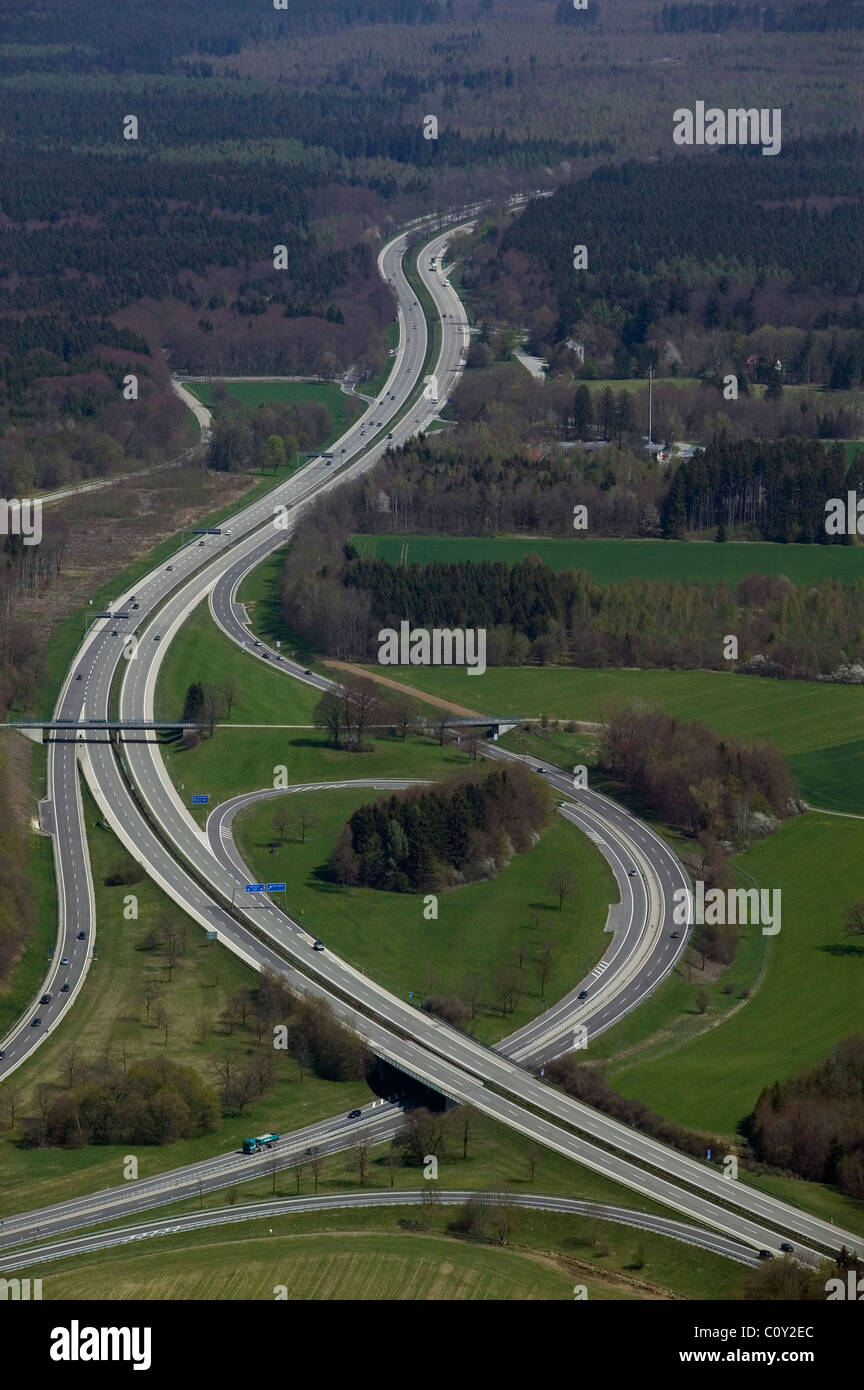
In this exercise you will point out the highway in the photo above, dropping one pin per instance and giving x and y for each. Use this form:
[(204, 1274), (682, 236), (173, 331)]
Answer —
[(293, 1206), (180, 858)]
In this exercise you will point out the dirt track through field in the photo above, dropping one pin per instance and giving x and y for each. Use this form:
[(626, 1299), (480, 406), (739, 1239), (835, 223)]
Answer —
[(406, 689)]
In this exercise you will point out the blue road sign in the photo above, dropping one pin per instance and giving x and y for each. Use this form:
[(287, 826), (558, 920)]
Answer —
[(254, 887), (275, 887), (200, 800)]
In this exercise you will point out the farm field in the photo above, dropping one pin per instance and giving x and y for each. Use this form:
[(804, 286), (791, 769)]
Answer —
[(814, 979), (613, 561), (481, 927), (818, 727)]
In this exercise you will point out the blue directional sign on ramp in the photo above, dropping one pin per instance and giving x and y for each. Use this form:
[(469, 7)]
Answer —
[(254, 887), (200, 800), (275, 887)]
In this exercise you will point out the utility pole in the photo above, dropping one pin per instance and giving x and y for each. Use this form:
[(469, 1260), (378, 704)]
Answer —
[(650, 403)]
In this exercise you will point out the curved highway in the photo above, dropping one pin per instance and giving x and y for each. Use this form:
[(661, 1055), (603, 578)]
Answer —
[(424, 1048), (289, 1206)]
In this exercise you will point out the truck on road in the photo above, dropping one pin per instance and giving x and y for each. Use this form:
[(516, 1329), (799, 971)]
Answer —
[(263, 1141)]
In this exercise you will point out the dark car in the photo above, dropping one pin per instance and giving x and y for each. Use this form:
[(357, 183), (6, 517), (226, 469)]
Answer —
[(786, 1247), (318, 946), (540, 769), (201, 542), (2, 1055), (583, 994), (157, 637), (306, 671), (675, 935), (34, 1022), (354, 1114), (82, 936), (313, 1150), (46, 999), (64, 988), (113, 632), (765, 1255), (136, 605), (169, 567), (80, 676)]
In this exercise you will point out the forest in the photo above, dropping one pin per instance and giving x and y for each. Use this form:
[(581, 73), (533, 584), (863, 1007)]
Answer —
[(533, 615), (813, 1125), (464, 829)]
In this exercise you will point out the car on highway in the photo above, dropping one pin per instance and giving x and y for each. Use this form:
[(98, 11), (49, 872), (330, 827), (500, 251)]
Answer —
[(318, 946), (64, 960), (136, 605), (313, 1149), (390, 435), (34, 1022), (80, 676), (583, 994), (765, 1255), (201, 542), (64, 988), (157, 637), (2, 1055), (82, 936), (306, 671), (786, 1247), (540, 769), (46, 999), (354, 1114), (633, 873), (113, 632), (674, 935), (169, 567)]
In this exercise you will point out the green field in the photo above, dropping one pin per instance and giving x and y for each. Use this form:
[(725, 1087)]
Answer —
[(613, 561), (481, 927), (255, 393), (818, 727), (202, 652), (809, 999), (399, 1267)]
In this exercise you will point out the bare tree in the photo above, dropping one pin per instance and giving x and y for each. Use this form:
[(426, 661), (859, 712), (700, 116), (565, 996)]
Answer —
[(304, 818), (443, 720), (228, 693), (430, 1203), (316, 1163), (391, 1160), (532, 1158), (472, 992), (212, 707), (467, 1117), (508, 987), (360, 1160), (69, 1063), (163, 1021), (855, 919), (281, 820), (297, 1169), (10, 1096), (328, 715), (561, 881), (545, 962)]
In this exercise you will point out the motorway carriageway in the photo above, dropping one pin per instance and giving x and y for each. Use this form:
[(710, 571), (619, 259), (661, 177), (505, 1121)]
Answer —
[(417, 1061)]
